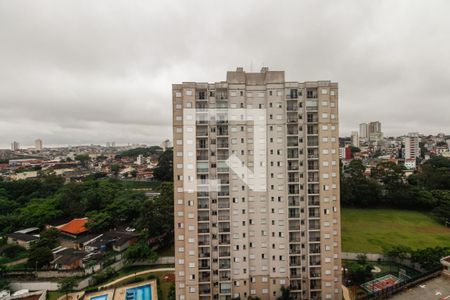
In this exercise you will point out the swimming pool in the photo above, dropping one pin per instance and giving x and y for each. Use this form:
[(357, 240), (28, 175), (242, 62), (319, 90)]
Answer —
[(143, 292), (101, 297)]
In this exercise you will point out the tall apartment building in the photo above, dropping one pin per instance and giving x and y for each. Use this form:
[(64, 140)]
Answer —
[(15, 146), (256, 179), (38, 145), (412, 149), (363, 131), (355, 138), (374, 127)]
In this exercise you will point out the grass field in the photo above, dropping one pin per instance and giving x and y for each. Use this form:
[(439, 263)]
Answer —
[(369, 230)]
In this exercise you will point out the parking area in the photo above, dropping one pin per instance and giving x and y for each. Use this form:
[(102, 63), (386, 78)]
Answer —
[(435, 289)]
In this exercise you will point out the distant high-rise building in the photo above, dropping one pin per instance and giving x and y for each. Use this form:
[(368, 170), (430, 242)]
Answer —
[(412, 149), (140, 160), (374, 127), (15, 146), (363, 131), (113, 144), (355, 139), (108, 144), (248, 232), (38, 145)]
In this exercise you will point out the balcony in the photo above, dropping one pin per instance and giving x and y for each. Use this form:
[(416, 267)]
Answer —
[(314, 237), (313, 201), (292, 165), (200, 95), (224, 263), (292, 129), (295, 285), (203, 240), (224, 239), (204, 265), (222, 154), (293, 94), (224, 203), (204, 277), (221, 95), (292, 153), (314, 212), (293, 177), (292, 107), (202, 131), (202, 143), (314, 261), (311, 105), (203, 204), (203, 216), (292, 141), (224, 275), (315, 285), (314, 249), (204, 253), (312, 141), (313, 129), (295, 273), (314, 225), (294, 237), (312, 118), (224, 215), (313, 165), (293, 200), (311, 93), (206, 290), (222, 130), (294, 213), (224, 251), (294, 261), (293, 189), (294, 225), (224, 228), (295, 249)]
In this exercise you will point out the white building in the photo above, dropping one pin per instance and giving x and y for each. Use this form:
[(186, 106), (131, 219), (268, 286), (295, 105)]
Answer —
[(355, 139), (363, 131), (38, 145)]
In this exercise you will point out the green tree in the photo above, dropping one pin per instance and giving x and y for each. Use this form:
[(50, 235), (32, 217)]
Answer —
[(140, 251), (171, 294), (115, 169), (84, 159), (164, 170), (99, 221), (67, 284), (39, 256)]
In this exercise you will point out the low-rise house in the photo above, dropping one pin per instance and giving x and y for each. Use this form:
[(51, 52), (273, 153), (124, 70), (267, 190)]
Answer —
[(22, 239), (68, 259), (117, 241), (74, 228)]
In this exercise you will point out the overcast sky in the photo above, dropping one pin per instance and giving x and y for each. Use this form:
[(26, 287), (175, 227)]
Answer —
[(79, 72)]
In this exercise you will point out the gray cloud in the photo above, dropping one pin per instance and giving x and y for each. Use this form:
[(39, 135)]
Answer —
[(94, 71)]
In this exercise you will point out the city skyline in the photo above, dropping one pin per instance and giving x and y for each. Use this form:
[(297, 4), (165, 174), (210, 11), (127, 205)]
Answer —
[(101, 72)]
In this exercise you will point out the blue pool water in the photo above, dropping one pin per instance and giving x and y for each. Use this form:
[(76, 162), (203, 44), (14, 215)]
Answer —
[(138, 293), (101, 297)]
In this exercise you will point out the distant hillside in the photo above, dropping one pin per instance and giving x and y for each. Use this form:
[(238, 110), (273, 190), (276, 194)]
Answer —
[(145, 151)]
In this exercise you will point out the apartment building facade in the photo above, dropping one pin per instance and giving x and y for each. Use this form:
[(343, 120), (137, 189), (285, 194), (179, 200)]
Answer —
[(256, 179)]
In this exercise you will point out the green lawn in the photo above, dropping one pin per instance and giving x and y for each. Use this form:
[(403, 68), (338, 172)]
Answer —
[(369, 230)]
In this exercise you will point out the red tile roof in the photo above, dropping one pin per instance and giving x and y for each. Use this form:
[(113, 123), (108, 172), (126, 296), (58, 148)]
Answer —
[(76, 226)]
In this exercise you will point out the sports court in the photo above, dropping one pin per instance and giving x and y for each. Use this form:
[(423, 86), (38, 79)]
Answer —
[(380, 283), (434, 289)]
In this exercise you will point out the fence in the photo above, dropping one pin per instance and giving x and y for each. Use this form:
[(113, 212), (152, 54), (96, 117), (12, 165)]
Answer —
[(384, 293)]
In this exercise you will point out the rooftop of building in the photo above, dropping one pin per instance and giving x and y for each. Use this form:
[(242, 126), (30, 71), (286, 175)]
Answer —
[(75, 227)]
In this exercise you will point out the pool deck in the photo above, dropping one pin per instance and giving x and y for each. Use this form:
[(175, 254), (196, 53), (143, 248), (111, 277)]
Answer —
[(121, 292), (109, 294)]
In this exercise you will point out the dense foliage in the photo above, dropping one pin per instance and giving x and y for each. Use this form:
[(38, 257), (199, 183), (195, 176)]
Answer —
[(427, 258), (108, 203), (428, 189), (145, 151)]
